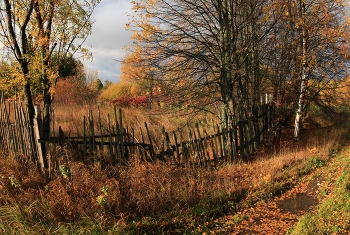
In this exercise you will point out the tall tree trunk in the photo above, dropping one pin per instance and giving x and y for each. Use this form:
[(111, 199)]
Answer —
[(303, 67), (45, 34), (47, 111), (27, 93), (226, 83), (46, 95)]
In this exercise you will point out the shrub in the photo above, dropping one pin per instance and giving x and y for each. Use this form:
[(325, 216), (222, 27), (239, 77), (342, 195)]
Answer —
[(128, 101)]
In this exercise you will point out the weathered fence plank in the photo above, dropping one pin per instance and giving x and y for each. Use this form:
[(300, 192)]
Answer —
[(37, 133), (205, 145)]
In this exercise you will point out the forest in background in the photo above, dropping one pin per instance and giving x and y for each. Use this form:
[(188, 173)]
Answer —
[(189, 60), (217, 57)]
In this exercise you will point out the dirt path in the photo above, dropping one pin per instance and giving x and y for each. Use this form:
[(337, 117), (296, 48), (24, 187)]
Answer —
[(280, 214), (277, 216)]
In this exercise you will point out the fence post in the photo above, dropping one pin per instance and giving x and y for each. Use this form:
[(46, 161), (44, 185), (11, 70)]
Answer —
[(242, 142), (37, 133), (151, 150), (121, 134)]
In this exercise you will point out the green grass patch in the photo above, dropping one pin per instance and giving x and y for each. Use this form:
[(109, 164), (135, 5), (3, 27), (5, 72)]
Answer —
[(332, 216)]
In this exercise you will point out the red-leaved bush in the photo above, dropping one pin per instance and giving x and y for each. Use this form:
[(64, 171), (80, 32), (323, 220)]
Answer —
[(127, 101)]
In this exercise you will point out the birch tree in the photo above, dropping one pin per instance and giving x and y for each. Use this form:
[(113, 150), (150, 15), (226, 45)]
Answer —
[(322, 28), (304, 55), (226, 53), (303, 68)]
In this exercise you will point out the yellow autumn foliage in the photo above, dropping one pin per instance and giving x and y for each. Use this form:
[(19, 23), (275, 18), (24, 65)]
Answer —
[(120, 89)]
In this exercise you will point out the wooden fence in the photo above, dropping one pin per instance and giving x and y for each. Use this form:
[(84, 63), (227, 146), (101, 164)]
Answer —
[(203, 144), (18, 136), (107, 141)]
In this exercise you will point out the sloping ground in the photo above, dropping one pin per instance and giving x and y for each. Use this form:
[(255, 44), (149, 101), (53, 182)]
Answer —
[(259, 199), (332, 215), (277, 200), (319, 204), (278, 215)]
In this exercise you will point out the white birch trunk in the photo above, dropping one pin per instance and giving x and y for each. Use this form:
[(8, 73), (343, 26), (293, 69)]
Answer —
[(298, 115), (303, 82)]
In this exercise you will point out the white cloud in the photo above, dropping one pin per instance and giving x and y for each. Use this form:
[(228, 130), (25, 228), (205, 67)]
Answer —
[(109, 37)]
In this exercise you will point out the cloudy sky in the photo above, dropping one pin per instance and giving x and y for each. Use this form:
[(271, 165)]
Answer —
[(108, 38)]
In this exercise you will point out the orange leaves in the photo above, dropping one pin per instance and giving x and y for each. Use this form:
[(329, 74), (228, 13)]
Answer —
[(147, 31), (133, 68), (344, 50), (137, 65), (313, 150)]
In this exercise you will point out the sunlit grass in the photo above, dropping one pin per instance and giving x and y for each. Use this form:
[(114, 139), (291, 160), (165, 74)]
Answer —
[(150, 198), (332, 216), (146, 196)]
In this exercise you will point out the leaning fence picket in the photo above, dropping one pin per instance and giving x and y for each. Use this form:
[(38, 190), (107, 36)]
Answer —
[(126, 139), (177, 152), (111, 153), (205, 145), (206, 148), (219, 142), (18, 131), (162, 155), (215, 145), (143, 156), (225, 144), (195, 142), (249, 137), (101, 146), (152, 153), (27, 131), (120, 133), (170, 151), (100, 129), (241, 140), (198, 143), (92, 132), (212, 148), (189, 146), (39, 145), (132, 147), (84, 141)]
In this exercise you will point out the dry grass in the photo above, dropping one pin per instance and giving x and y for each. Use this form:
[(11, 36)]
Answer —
[(115, 195), (133, 117), (71, 119)]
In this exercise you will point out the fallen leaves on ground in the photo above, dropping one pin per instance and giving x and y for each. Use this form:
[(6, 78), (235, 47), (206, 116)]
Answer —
[(268, 217)]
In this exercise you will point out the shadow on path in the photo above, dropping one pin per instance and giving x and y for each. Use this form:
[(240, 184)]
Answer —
[(277, 216)]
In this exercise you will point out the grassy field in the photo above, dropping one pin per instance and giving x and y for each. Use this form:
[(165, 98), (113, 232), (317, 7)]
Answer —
[(154, 198)]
